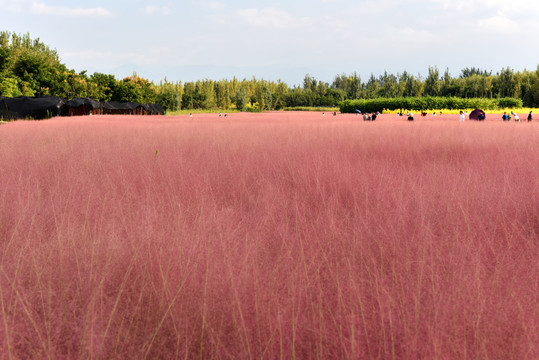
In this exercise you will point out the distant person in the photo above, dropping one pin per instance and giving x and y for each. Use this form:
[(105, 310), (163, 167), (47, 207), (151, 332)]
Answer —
[(373, 117), (515, 116), (410, 116), (334, 113), (530, 116), (462, 116), (505, 117), (366, 117)]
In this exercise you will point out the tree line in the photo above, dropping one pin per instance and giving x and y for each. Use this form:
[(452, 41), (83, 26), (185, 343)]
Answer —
[(427, 103), (30, 68)]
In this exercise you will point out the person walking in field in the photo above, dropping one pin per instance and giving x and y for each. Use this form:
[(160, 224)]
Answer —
[(515, 116), (505, 117), (530, 116), (462, 116)]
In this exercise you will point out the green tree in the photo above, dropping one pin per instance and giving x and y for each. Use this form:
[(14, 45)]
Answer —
[(9, 86), (372, 87), (6, 59), (30, 68), (389, 86), (30, 61), (128, 91), (106, 86), (169, 95), (432, 83), (223, 94), (264, 97), (335, 97), (309, 83), (532, 97), (135, 89), (208, 92), (351, 84), (241, 99), (505, 84)]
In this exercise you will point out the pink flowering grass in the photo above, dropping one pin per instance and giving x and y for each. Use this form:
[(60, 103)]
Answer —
[(277, 235)]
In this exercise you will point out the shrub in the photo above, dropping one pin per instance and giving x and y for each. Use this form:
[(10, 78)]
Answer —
[(427, 103)]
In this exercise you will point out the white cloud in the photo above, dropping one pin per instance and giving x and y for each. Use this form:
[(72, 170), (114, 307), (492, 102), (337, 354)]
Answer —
[(153, 55), (211, 5), (419, 36), (161, 10), (479, 6), (216, 5), (89, 54), (498, 24), (44, 9), (270, 18), (150, 9), (11, 5)]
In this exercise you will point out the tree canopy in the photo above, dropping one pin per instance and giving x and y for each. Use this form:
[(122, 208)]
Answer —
[(29, 67)]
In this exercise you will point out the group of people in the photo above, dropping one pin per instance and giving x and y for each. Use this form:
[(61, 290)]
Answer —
[(368, 117), (514, 116), (463, 114)]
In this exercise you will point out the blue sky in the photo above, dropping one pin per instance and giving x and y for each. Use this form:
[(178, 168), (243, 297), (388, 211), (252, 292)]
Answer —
[(190, 40)]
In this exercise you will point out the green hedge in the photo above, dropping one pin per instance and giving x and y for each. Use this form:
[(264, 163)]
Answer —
[(427, 103)]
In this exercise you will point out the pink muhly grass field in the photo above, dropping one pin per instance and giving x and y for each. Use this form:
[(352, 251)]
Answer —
[(276, 235)]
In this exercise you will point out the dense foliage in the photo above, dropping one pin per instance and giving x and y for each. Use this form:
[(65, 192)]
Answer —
[(427, 103), (29, 67)]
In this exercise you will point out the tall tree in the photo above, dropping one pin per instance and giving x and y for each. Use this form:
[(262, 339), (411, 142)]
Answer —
[(432, 83)]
